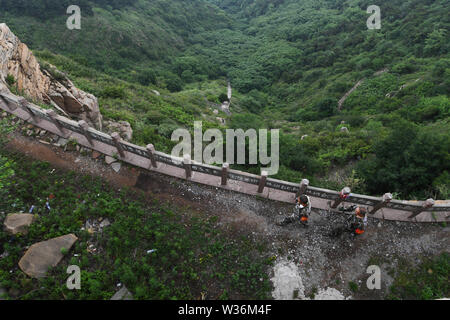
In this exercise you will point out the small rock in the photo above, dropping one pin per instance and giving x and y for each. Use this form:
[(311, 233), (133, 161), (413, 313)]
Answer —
[(109, 160), (43, 255), (18, 223), (116, 166), (96, 154), (122, 294), (105, 223), (62, 142)]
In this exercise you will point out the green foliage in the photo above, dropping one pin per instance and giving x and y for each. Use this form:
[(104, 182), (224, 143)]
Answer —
[(428, 281), (114, 92), (173, 82), (223, 97), (353, 286), (6, 172), (289, 63), (10, 80), (192, 254), (407, 161), (146, 77)]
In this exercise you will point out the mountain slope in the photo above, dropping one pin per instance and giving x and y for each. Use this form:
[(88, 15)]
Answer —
[(290, 63)]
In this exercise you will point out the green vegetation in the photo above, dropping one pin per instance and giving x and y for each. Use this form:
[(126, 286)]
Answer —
[(429, 281), (289, 63), (353, 286), (10, 80), (192, 255)]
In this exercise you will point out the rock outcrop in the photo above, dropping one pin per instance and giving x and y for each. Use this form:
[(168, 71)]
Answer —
[(43, 255), (18, 223), (121, 127), (18, 61)]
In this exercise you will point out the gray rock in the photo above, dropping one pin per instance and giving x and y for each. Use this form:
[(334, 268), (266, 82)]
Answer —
[(122, 127), (62, 142), (39, 84), (105, 223), (18, 223), (122, 294), (109, 160), (116, 166), (43, 255)]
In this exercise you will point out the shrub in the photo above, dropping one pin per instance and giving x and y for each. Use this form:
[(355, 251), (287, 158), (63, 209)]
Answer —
[(223, 97), (146, 77), (10, 80), (114, 92)]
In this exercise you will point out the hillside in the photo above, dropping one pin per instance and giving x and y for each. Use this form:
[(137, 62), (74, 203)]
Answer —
[(289, 63)]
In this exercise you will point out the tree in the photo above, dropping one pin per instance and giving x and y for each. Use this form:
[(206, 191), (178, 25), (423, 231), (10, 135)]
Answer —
[(436, 43), (408, 161), (146, 77)]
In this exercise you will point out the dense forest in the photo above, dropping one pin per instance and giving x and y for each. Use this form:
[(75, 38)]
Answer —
[(289, 62)]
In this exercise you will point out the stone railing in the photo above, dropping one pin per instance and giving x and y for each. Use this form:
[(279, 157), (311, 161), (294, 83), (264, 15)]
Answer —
[(238, 181)]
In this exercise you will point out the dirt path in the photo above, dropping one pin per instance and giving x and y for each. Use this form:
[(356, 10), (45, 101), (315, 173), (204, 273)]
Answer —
[(314, 259)]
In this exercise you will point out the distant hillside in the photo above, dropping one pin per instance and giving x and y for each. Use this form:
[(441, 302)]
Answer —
[(290, 62)]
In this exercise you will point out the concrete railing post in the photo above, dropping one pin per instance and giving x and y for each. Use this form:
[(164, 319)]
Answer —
[(426, 205), (151, 154), (343, 195), (262, 181), (10, 106), (387, 197), (117, 140), (85, 128), (26, 105), (52, 115), (187, 165), (303, 187), (225, 167)]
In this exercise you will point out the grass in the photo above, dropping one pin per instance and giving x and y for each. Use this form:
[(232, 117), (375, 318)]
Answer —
[(193, 257), (353, 286), (428, 281)]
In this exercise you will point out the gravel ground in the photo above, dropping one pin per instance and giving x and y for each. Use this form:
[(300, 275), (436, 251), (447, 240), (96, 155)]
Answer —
[(324, 262)]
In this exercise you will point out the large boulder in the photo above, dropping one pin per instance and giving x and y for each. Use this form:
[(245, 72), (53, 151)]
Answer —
[(43, 255), (18, 223), (18, 61), (123, 128)]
